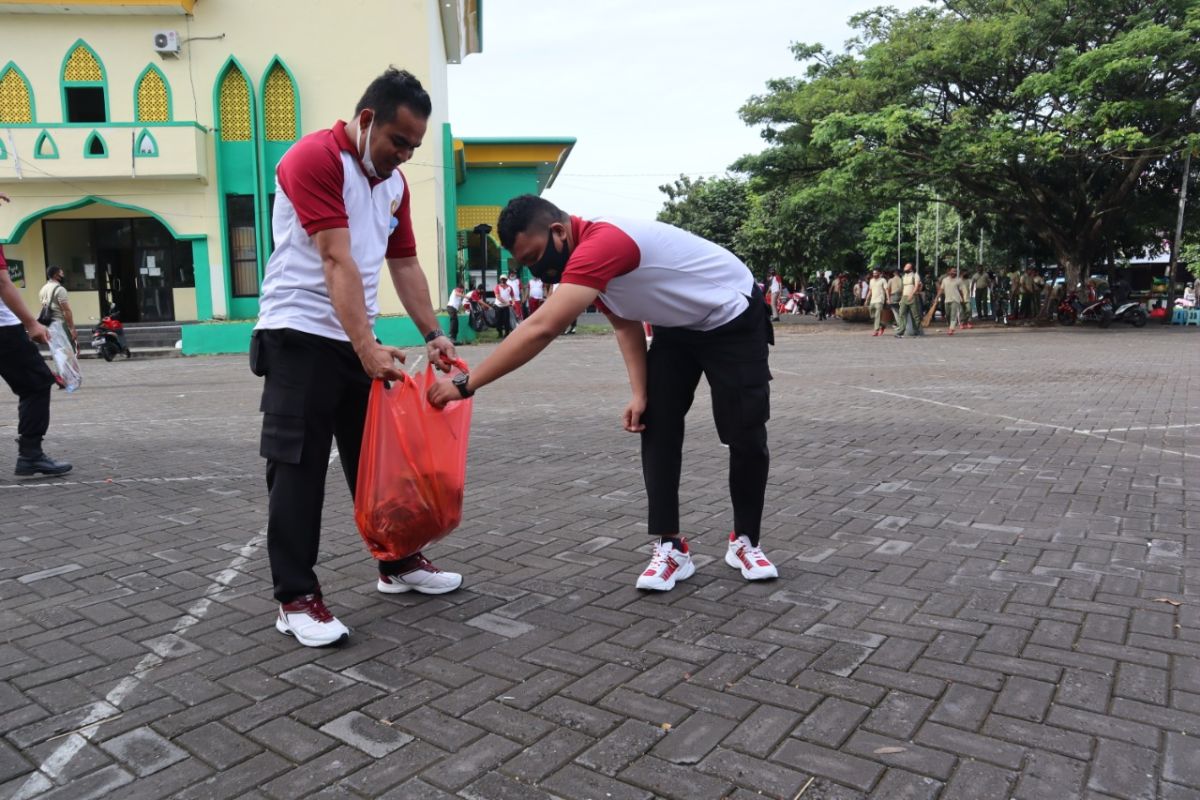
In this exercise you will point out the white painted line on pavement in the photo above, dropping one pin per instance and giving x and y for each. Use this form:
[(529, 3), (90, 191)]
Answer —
[(36, 484), (53, 765), (1021, 421)]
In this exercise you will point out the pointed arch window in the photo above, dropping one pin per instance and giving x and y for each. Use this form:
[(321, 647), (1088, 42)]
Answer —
[(281, 105), (16, 99), (95, 146), (152, 97), (44, 146), (233, 100), (84, 86)]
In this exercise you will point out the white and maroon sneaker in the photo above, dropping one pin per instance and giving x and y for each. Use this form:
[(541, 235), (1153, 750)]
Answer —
[(667, 565), (313, 625), (426, 579), (751, 560)]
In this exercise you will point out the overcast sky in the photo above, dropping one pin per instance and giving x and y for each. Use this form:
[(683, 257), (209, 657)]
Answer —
[(649, 88)]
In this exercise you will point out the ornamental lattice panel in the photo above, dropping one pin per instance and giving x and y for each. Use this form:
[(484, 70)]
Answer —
[(82, 67), (15, 105), (279, 106), (235, 107), (152, 99)]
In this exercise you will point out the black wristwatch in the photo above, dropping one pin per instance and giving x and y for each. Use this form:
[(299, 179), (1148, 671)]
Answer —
[(433, 334), (460, 383)]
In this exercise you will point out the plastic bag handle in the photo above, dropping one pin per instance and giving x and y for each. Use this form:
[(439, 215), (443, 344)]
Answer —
[(459, 363)]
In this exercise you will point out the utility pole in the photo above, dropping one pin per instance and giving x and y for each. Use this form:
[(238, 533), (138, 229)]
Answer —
[(1174, 262), (958, 257), (937, 236), (898, 217)]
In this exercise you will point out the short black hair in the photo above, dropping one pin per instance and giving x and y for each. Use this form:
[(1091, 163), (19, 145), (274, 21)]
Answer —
[(392, 89), (52, 271), (525, 212)]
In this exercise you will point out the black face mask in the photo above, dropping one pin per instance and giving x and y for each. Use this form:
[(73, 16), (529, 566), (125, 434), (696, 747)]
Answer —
[(549, 267)]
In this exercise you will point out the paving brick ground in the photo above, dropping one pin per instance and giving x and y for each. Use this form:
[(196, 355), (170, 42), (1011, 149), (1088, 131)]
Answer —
[(988, 589)]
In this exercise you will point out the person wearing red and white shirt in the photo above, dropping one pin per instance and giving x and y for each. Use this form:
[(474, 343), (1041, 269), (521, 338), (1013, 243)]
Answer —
[(537, 293), (341, 210), (503, 299), (26, 373), (518, 305), (709, 318)]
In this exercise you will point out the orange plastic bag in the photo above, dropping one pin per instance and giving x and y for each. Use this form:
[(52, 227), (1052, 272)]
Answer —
[(412, 468)]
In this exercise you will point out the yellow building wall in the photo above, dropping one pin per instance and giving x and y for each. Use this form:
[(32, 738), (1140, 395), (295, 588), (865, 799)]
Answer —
[(332, 51)]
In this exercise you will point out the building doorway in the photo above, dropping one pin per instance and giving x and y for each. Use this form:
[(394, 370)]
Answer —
[(134, 263)]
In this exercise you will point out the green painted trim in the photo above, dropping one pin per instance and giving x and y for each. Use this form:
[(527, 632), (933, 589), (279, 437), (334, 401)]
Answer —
[(137, 145), (37, 146), (243, 308), (137, 85), (234, 337), (3, 151), (479, 23), (87, 145), (63, 83), (22, 226), (56, 125), (295, 92), (201, 270), (28, 90), (267, 161), (450, 212), (220, 150)]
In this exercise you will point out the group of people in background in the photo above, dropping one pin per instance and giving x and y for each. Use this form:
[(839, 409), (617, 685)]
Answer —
[(509, 303), (982, 293)]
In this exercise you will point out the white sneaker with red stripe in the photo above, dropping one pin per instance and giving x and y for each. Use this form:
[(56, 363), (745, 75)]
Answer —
[(426, 579), (667, 565), (751, 560), (310, 622)]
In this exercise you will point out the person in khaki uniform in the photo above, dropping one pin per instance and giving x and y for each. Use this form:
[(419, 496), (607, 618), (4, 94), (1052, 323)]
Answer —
[(982, 283), (877, 297), (954, 289), (910, 315), (894, 287), (1016, 292)]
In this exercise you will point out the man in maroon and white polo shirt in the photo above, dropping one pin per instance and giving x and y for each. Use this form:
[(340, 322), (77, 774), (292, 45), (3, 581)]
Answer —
[(26, 373), (341, 210), (709, 318)]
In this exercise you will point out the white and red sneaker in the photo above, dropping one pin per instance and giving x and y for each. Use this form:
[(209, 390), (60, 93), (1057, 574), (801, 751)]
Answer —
[(313, 625), (751, 560), (426, 579), (667, 565)]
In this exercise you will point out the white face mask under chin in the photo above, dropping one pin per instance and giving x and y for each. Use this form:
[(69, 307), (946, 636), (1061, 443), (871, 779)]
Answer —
[(365, 150)]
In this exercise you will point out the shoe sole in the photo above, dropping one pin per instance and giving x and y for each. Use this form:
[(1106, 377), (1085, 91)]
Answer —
[(403, 588), (736, 563), (681, 574), (286, 631), (22, 473)]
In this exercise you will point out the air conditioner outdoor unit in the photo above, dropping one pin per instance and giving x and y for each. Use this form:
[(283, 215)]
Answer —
[(166, 43)]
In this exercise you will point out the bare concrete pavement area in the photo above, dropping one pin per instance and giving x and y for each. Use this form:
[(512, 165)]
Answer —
[(988, 589)]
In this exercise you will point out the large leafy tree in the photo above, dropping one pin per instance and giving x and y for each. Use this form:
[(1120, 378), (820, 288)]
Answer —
[(1063, 117)]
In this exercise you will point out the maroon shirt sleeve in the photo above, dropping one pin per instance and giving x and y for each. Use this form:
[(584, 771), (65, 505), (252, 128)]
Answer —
[(602, 252), (402, 243), (3, 263), (311, 176)]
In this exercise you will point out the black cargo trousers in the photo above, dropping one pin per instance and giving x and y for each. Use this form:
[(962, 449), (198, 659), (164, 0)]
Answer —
[(733, 358), (315, 391)]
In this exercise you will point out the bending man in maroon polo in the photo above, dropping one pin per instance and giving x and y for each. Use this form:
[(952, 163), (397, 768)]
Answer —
[(709, 318)]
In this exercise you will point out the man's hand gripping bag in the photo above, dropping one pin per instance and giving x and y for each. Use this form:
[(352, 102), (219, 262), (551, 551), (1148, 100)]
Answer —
[(412, 468)]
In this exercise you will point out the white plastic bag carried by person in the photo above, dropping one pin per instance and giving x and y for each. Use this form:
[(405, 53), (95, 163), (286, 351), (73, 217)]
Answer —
[(66, 365)]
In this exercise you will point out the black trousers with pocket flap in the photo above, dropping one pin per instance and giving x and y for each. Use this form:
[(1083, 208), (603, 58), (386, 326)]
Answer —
[(315, 391)]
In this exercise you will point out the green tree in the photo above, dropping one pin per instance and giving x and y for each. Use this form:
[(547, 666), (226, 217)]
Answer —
[(1061, 117), (715, 208)]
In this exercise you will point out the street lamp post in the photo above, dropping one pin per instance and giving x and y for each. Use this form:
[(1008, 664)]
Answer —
[(483, 229)]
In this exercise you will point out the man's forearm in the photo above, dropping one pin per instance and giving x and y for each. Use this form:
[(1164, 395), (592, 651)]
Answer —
[(349, 303), (11, 297), (631, 339)]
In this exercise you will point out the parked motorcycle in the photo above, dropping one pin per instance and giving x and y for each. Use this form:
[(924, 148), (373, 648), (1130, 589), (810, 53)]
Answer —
[(108, 337), (1133, 313), (1072, 310)]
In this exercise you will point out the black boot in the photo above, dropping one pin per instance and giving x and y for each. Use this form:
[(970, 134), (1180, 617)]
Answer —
[(31, 460)]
